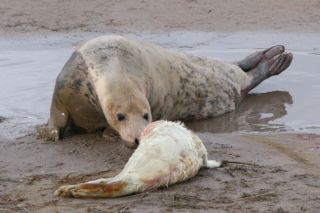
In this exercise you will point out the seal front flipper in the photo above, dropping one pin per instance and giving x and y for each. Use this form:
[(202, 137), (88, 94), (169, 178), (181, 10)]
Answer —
[(49, 133), (57, 123), (102, 188)]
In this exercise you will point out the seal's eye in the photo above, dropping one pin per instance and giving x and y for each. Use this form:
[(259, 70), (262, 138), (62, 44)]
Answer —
[(146, 116), (120, 117)]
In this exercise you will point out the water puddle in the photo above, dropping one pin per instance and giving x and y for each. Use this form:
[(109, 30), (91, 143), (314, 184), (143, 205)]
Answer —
[(288, 102)]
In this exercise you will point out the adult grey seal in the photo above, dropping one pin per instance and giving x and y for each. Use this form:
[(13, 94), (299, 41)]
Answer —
[(122, 85)]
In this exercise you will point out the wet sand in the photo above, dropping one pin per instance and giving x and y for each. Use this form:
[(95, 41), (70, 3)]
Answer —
[(286, 178), (287, 175)]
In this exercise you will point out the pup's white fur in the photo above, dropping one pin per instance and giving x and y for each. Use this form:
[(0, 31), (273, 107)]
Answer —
[(168, 153)]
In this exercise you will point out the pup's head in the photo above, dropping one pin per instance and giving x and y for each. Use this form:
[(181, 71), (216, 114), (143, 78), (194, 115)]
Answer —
[(150, 127), (128, 114)]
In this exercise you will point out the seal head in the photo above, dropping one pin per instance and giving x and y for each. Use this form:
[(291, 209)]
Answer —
[(127, 111)]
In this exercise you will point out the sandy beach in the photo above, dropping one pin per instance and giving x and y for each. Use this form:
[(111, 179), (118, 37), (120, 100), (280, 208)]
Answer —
[(126, 15), (269, 129)]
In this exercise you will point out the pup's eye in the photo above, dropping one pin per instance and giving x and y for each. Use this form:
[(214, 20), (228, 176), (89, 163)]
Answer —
[(120, 117), (146, 116)]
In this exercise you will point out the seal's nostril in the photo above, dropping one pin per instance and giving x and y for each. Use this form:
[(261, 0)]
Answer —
[(136, 141)]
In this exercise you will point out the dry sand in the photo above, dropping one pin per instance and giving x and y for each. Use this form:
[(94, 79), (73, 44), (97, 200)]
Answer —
[(152, 15), (287, 175)]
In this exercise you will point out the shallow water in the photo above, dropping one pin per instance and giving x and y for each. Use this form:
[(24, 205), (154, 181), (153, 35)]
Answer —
[(288, 102)]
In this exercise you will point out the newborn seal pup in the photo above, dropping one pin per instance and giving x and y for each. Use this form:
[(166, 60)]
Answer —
[(168, 153), (122, 85)]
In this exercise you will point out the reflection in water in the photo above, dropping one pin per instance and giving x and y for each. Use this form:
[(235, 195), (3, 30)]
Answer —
[(256, 113)]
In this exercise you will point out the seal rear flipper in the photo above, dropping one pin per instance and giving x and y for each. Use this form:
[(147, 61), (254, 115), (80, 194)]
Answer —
[(275, 60), (210, 164), (251, 61)]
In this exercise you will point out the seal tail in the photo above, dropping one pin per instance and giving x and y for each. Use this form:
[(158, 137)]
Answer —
[(102, 188)]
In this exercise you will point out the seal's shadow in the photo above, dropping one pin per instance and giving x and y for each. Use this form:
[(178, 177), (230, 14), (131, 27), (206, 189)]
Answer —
[(254, 114)]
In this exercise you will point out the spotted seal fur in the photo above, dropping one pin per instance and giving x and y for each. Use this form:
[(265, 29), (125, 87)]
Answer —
[(122, 85)]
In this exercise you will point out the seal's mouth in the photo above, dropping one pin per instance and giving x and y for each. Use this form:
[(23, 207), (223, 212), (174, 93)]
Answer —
[(146, 131), (130, 145)]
